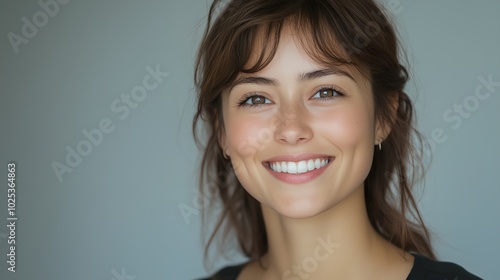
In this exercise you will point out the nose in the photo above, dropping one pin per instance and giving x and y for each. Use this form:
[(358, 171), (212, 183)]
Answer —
[(293, 126)]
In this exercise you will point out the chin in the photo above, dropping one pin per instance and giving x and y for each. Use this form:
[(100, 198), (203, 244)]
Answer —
[(299, 209), (307, 205)]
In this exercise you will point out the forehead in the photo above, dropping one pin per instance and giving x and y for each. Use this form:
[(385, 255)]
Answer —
[(294, 54), (289, 50)]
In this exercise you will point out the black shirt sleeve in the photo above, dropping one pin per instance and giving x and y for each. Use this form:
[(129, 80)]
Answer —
[(427, 269), (227, 273)]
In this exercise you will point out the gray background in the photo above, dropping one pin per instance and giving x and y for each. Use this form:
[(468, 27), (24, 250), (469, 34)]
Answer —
[(116, 215)]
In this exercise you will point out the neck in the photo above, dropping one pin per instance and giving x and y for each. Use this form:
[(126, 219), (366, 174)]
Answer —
[(339, 240)]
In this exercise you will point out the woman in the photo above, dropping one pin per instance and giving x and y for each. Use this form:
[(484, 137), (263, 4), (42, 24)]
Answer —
[(310, 143)]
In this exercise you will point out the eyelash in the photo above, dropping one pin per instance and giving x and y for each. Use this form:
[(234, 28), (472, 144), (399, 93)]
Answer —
[(340, 93), (244, 99)]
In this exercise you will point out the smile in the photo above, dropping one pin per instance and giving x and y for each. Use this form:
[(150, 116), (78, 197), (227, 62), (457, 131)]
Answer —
[(298, 172), (302, 166)]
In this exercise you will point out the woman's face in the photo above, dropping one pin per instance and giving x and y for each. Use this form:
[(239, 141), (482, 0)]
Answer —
[(300, 136)]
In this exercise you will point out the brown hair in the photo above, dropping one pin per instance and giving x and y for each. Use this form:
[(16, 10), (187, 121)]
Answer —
[(333, 32)]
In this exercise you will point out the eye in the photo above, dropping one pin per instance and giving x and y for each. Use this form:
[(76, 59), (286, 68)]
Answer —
[(253, 99), (327, 93)]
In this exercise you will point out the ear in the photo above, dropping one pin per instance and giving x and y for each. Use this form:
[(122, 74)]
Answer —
[(384, 126)]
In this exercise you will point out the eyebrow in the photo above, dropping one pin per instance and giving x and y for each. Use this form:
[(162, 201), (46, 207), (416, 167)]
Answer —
[(301, 77), (324, 72)]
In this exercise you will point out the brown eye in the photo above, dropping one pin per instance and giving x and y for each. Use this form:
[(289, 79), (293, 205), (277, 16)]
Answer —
[(254, 100), (258, 100), (327, 93)]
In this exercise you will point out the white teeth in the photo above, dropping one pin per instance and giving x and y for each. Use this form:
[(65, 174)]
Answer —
[(302, 166), (298, 167), (310, 165), (284, 167), (278, 167)]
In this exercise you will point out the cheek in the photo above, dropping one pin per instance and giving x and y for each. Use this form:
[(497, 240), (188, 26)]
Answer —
[(348, 126), (350, 129), (246, 135)]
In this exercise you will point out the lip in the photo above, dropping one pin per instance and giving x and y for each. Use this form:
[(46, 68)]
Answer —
[(297, 158), (297, 178)]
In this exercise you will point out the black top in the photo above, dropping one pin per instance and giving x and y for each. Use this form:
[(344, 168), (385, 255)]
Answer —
[(423, 269)]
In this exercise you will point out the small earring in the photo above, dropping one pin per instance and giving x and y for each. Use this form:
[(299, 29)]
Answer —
[(380, 144)]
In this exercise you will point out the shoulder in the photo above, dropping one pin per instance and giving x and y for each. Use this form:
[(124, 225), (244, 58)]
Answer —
[(428, 269), (227, 273)]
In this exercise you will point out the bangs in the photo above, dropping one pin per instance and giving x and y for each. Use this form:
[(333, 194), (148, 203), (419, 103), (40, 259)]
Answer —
[(318, 31), (245, 36)]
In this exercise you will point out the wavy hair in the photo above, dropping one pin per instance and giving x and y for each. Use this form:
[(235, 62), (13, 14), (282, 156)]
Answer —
[(333, 32)]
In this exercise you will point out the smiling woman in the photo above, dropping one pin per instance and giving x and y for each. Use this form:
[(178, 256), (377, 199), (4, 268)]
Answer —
[(310, 135)]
